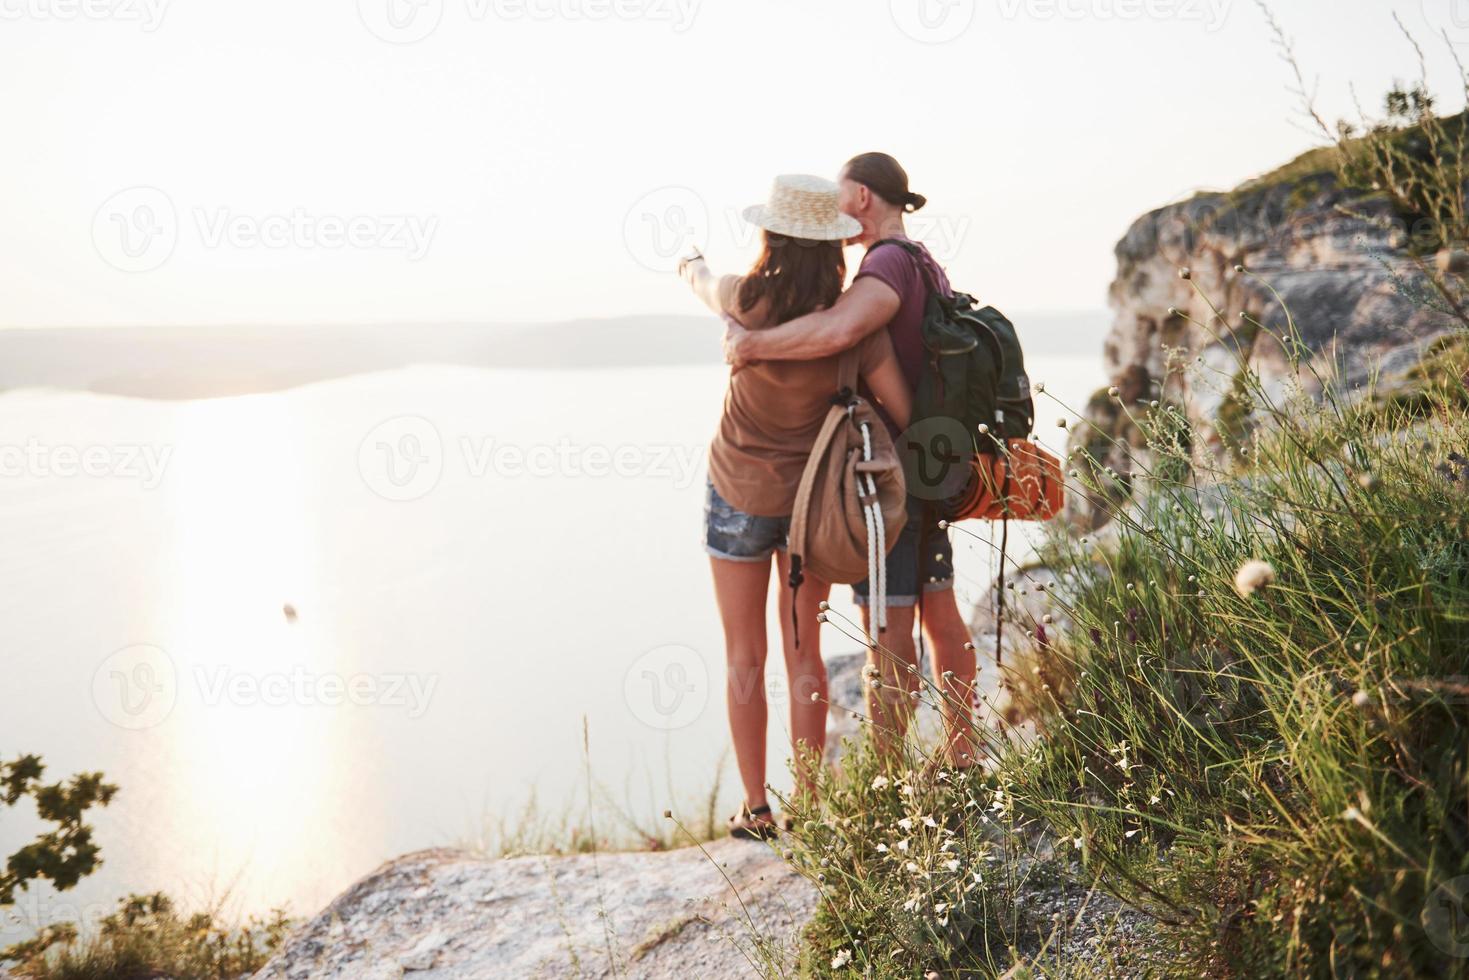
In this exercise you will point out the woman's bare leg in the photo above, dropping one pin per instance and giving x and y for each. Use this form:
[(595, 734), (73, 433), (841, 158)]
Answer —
[(805, 671), (741, 589)]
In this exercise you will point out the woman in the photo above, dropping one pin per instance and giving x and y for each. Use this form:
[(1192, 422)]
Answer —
[(772, 414)]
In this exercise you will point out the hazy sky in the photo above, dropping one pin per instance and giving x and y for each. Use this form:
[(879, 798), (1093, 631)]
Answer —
[(206, 161)]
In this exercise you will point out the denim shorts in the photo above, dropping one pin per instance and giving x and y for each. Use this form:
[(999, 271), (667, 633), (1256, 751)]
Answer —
[(733, 535), (906, 568)]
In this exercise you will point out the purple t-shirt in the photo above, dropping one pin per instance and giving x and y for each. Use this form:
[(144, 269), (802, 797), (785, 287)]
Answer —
[(894, 266)]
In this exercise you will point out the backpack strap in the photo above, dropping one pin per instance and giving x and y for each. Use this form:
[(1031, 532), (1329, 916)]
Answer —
[(847, 375), (801, 513), (920, 259)]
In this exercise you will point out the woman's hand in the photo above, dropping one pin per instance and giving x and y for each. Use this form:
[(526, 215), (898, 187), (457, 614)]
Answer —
[(687, 264)]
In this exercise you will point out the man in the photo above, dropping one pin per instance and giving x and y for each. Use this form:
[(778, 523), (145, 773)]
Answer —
[(890, 292)]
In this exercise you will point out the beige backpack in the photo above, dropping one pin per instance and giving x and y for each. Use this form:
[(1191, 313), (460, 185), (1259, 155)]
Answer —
[(852, 501)]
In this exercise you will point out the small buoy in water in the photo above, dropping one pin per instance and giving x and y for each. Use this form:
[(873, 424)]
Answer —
[(290, 612)]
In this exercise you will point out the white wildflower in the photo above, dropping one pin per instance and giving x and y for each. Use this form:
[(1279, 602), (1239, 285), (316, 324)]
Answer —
[(1253, 576), (841, 959)]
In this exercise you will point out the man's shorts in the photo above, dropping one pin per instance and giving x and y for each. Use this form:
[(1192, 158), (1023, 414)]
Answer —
[(907, 570)]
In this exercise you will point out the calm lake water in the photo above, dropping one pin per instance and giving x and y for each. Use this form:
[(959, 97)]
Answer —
[(308, 631)]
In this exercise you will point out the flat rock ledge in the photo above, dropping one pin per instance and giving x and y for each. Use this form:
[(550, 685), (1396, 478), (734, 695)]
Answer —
[(447, 915)]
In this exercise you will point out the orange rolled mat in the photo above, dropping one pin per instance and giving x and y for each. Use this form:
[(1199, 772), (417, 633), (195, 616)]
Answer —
[(1023, 483)]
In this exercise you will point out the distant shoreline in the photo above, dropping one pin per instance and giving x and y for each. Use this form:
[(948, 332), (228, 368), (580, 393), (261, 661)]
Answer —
[(185, 363)]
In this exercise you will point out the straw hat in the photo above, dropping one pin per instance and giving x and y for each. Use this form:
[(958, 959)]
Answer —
[(803, 206)]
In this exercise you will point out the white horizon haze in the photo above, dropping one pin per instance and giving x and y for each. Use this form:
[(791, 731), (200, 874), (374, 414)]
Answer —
[(172, 162)]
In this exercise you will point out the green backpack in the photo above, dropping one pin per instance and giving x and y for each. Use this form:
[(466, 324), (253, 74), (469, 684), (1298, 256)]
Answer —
[(972, 396), (973, 392)]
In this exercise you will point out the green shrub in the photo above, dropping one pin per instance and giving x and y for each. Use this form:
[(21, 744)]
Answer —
[(147, 937)]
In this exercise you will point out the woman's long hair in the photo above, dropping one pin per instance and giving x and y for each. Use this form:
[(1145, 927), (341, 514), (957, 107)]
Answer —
[(794, 276)]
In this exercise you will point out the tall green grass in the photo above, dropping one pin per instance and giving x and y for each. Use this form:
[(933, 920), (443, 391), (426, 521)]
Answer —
[(1264, 735), (1254, 707)]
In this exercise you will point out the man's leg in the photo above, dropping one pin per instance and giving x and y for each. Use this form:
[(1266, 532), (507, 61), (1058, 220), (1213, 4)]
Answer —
[(954, 671), (895, 656), (890, 706)]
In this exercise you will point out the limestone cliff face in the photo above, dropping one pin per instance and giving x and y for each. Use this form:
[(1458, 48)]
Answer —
[(1332, 258)]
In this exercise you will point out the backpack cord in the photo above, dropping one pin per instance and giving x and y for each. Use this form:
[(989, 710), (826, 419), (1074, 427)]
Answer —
[(1004, 541), (795, 582), (876, 541), (925, 526), (1000, 591)]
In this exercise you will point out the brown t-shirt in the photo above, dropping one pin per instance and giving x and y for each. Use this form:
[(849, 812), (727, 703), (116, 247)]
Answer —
[(772, 414)]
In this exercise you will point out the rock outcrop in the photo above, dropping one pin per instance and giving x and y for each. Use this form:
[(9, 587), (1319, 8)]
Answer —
[(446, 915), (1334, 260)]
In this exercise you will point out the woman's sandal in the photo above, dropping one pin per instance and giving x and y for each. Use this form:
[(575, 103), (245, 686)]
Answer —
[(749, 825)]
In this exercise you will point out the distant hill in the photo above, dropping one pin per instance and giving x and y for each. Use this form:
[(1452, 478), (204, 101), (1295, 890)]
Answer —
[(218, 361)]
